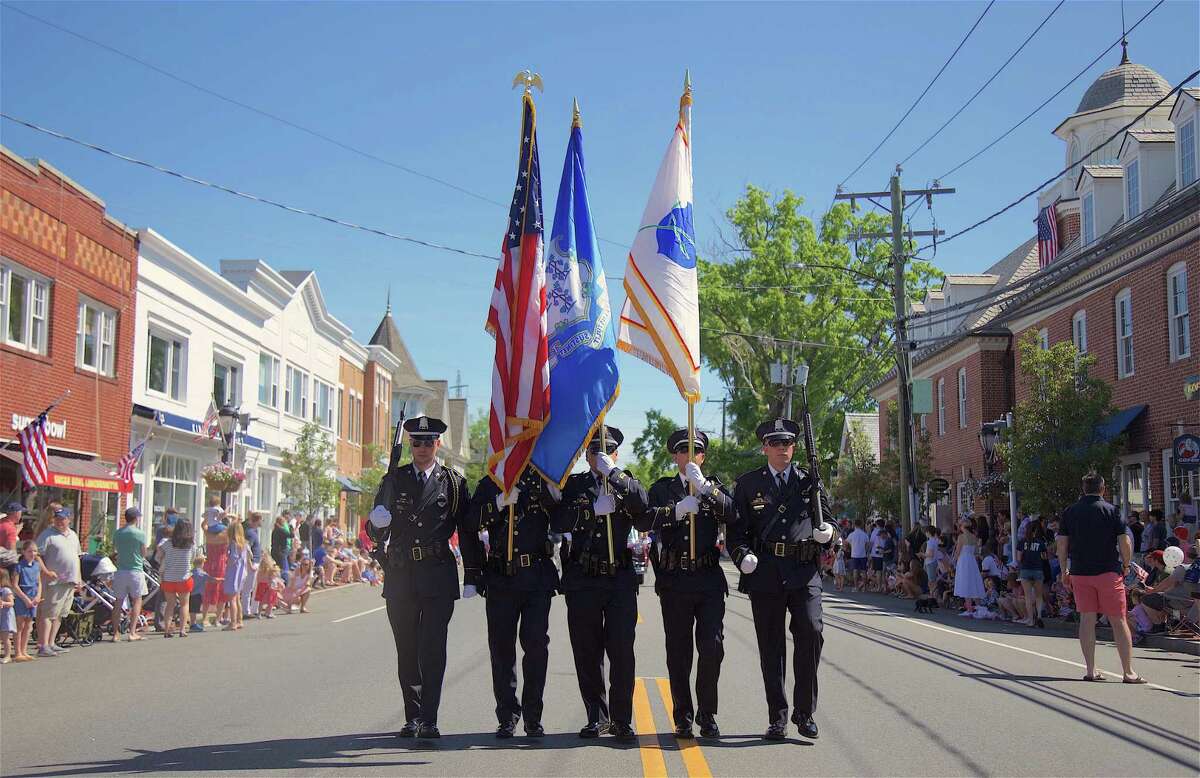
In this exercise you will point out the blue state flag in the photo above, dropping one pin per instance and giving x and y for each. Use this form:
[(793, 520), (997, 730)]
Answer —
[(582, 349)]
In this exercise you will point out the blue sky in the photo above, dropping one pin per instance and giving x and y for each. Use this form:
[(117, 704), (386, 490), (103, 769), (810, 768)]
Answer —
[(787, 96)]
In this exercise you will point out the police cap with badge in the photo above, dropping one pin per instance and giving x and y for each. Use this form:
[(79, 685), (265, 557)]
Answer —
[(612, 436), (784, 430), (424, 428), (678, 441)]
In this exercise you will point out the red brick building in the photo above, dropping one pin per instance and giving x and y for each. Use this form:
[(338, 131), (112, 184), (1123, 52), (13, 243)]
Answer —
[(68, 274), (1125, 287)]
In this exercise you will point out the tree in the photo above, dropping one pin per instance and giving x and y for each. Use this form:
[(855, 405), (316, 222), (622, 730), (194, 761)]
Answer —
[(890, 493), (369, 478), (724, 460), (857, 484), (309, 483), (839, 297), (477, 434), (1054, 440)]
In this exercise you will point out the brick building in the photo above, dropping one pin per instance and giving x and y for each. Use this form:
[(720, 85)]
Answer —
[(1122, 288), (68, 275)]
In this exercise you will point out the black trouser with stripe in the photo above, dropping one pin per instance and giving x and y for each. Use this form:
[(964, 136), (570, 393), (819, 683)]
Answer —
[(771, 610), (682, 613), (513, 614), (602, 621), (419, 627)]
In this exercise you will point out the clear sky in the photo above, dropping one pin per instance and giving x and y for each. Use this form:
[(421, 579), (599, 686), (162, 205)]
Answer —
[(786, 96)]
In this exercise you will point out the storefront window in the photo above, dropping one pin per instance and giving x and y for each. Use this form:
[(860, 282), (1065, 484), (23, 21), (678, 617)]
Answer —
[(174, 485), (103, 512), (1185, 489)]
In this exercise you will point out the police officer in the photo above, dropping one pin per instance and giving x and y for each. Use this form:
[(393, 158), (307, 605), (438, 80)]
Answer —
[(418, 507), (773, 542), (518, 588), (688, 511), (598, 509)]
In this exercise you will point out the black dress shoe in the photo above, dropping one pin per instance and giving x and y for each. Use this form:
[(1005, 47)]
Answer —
[(593, 729), (808, 728), (507, 729), (685, 732), (708, 726), (776, 732), (621, 731), (409, 729), (428, 732), (534, 730)]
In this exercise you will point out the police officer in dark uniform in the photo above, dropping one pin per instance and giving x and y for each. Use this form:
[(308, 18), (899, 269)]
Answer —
[(689, 509), (774, 543), (518, 588), (598, 509), (418, 507)]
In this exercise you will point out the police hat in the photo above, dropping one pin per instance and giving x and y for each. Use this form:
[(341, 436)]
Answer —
[(424, 427), (777, 429), (613, 437), (678, 441)]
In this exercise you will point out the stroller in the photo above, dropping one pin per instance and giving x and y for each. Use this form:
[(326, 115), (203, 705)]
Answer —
[(92, 608)]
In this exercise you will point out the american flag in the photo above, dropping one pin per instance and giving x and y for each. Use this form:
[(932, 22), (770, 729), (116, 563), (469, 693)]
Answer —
[(1047, 227), (517, 320), (1140, 572), (129, 462), (35, 467), (209, 428)]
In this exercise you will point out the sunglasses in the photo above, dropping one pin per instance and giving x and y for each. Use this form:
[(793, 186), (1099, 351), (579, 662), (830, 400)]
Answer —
[(596, 449), (423, 443), (780, 443)]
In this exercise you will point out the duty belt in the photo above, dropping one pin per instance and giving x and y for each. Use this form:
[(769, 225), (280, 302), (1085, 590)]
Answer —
[(804, 551), (598, 564), (671, 560), (502, 566), (421, 553)]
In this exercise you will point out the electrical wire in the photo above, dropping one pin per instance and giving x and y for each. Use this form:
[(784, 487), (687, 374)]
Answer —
[(785, 341), (985, 85), (921, 96), (1047, 101)]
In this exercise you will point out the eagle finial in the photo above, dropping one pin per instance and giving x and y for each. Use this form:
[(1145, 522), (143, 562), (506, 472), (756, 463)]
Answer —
[(529, 80)]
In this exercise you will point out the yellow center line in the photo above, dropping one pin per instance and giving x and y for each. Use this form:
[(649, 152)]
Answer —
[(653, 765), (693, 757)]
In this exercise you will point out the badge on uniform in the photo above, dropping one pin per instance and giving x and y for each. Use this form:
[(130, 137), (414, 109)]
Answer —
[(758, 503), (441, 500)]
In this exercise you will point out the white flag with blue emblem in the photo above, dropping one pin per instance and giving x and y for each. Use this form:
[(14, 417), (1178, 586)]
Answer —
[(660, 322)]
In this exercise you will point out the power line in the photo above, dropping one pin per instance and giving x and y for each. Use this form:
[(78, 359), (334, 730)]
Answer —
[(991, 78), (269, 115), (784, 341), (1047, 101), (921, 96)]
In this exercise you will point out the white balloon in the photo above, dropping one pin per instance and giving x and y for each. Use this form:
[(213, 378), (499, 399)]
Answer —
[(1172, 557)]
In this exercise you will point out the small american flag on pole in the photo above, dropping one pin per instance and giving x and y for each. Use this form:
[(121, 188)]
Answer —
[(209, 427), (1047, 228), (129, 461), (35, 466)]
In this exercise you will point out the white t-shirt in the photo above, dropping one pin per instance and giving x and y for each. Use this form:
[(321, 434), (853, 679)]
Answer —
[(858, 543), (60, 553), (934, 549), (993, 566)]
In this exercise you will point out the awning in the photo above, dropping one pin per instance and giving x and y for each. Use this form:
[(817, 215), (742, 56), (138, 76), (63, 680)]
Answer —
[(1117, 423), (192, 426), (348, 485), (84, 474)]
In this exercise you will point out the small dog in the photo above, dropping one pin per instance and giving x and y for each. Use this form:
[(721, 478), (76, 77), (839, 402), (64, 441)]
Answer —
[(926, 604)]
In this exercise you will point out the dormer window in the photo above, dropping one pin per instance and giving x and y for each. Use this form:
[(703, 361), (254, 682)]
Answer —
[(1187, 152), (1089, 218), (1132, 191)]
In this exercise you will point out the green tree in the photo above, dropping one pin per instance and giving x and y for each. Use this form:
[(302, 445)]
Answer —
[(309, 483), (889, 493), (650, 448), (369, 478), (857, 483), (1054, 439), (773, 282), (477, 434)]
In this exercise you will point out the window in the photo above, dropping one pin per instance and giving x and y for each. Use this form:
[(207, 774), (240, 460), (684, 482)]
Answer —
[(1074, 150), (175, 486), (1089, 218), (94, 337), (1133, 199), (1044, 339), (341, 419), (1079, 331), (1178, 319), (227, 383), (1124, 334), (1187, 152), (354, 411), (295, 392), (1183, 488), (268, 380), (24, 309), (963, 499), (264, 494), (164, 366), (941, 406), (323, 404), (962, 398)]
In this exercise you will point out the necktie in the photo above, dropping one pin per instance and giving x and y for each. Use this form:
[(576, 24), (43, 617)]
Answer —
[(421, 479), (779, 479)]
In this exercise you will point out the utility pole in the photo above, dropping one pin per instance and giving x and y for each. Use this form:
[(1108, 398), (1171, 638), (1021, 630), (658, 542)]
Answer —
[(458, 384), (905, 431), (724, 402)]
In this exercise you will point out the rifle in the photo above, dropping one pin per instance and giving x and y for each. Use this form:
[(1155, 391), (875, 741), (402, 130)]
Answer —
[(814, 474), (376, 535)]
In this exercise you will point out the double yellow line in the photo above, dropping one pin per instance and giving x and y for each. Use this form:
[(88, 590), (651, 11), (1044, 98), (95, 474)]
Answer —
[(649, 746)]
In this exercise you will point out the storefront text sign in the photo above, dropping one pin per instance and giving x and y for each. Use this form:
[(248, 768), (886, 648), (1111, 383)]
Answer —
[(54, 429)]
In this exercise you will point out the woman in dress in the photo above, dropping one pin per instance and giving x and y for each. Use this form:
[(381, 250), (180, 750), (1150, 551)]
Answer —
[(235, 574), (968, 582)]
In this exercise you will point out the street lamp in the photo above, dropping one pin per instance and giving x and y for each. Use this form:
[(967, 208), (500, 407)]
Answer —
[(989, 433), (227, 418)]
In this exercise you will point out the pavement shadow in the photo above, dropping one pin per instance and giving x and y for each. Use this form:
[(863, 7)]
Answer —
[(487, 741), (356, 752)]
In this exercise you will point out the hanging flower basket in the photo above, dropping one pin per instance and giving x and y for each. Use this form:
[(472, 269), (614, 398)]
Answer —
[(223, 478)]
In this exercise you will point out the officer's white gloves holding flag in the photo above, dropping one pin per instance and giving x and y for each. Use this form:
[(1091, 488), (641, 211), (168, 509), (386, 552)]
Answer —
[(604, 465), (696, 478), (689, 504), (505, 500), (824, 533), (749, 564), (380, 517)]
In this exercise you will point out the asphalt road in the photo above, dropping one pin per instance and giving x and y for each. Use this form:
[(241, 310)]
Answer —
[(900, 695)]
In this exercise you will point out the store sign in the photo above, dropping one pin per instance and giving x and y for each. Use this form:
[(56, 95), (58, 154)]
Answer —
[(88, 483), (937, 487), (54, 429), (1191, 387), (1187, 451)]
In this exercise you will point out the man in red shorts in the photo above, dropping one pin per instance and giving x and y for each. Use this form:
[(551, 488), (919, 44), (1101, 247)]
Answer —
[(1089, 536)]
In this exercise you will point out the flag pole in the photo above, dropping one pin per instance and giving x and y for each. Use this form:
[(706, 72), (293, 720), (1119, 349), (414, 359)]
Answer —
[(607, 490), (691, 486), (54, 404), (512, 510)]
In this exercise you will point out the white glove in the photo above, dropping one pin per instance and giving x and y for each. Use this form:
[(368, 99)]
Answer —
[(689, 504), (505, 500), (749, 564), (380, 517), (823, 533), (555, 492), (695, 477), (604, 505), (604, 465), (469, 591)]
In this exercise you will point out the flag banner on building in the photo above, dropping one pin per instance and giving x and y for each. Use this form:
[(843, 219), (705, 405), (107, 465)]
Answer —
[(517, 320), (129, 461), (660, 321), (209, 428), (581, 346), (35, 465), (1047, 227)]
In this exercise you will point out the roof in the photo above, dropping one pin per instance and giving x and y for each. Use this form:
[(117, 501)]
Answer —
[(1127, 84), (1152, 136), (868, 423), (1100, 171), (971, 278), (295, 277), (388, 336)]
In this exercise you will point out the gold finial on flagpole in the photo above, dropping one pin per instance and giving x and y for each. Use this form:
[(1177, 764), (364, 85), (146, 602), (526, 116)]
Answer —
[(685, 101), (576, 120), (528, 79)]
